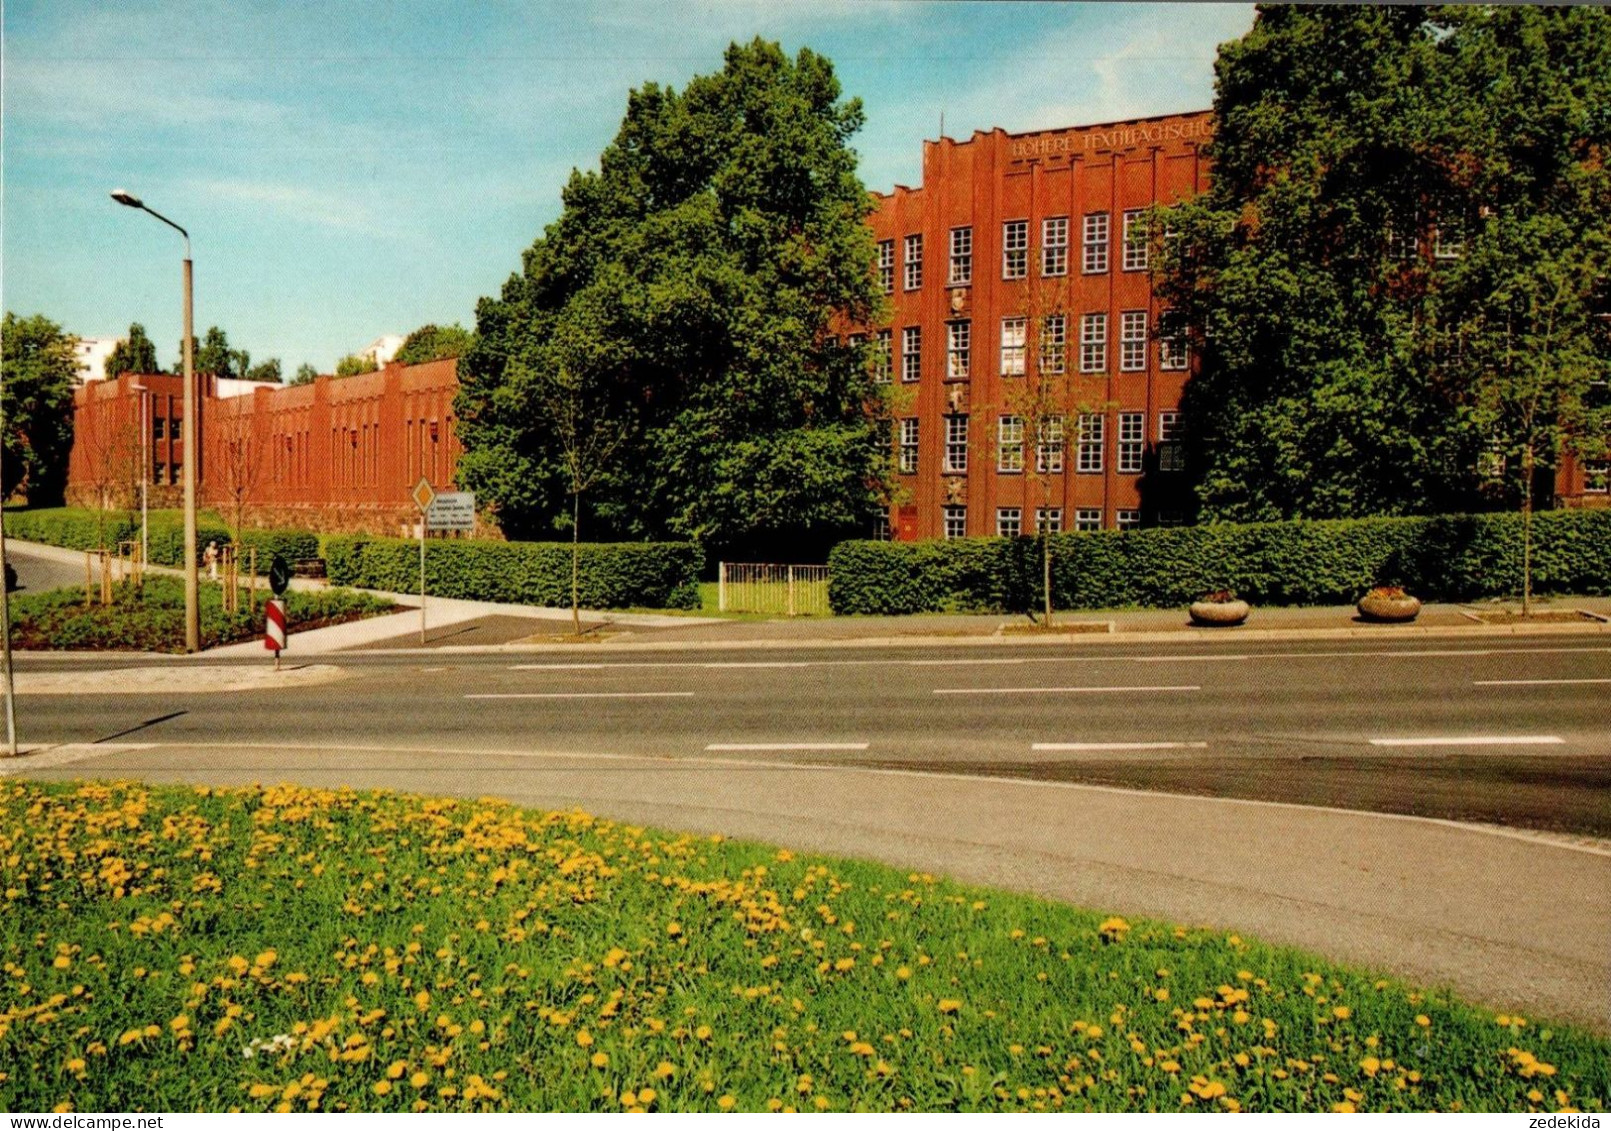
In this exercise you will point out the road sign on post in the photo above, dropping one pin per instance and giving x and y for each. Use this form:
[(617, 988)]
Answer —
[(279, 572), (451, 510), (423, 495), (274, 628)]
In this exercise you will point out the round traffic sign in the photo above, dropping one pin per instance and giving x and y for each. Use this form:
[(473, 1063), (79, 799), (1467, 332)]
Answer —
[(279, 574)]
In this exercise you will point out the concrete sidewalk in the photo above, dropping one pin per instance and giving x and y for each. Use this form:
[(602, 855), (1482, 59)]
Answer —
[(1510, 920)]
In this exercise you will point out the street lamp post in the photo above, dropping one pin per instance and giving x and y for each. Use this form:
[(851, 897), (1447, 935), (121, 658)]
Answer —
[(145, 474), (189, 426)]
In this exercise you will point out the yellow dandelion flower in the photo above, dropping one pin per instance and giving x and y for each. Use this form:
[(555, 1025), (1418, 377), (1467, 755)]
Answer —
[(62, 962), (419, 1080), (1370, 1066), (665, 1070), (1343, 1108), (599, 1060), (584, 1038), (1423, 1020), (727, 1102), (1342, 1013), (396, 1069), (382, 1087), (673, 929), (949, 1005), (703, 1033), (646, 1096)]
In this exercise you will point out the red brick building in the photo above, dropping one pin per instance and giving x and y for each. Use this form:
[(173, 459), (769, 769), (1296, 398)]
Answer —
[(1019, 257), (337, 453)]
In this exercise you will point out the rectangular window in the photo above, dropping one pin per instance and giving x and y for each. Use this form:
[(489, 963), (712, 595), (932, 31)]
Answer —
[(1010, 444), (1054, 246), (883, 363), (1132, 341), (956, 522), (912, 248), (911, 353), (157, 424), (1401, 239), (881, 528), (1049, 519), (961, 272), (1596, 476), (1172, 349), (855, 341), (1448, 241), (1170, 455), (958, 347), (161, 476), (1087, 519), (1053, 343), (1015, 249), (886, 266), (956, 445), (1009, 522), (1089, 455), (1093, 343), (1132, 441), (1127, 519), (1049, 446), (1095, 260), (1013, 332), (908, 452), (1135, 238)]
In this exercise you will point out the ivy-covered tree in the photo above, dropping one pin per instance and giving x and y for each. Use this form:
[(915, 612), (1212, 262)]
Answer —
[(134, 354), (38, 372), (697, 278), (432, 343), (1367, 160)]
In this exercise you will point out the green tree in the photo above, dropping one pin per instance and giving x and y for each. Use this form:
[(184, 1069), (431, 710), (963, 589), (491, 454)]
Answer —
[(265, 371), (305, 374), (354, 364), (697, 277), (214, 355), (38, 372), (1364, 157), (134, 354), (432, 343)]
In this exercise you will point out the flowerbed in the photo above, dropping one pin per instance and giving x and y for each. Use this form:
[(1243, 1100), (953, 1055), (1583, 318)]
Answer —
[(299, 949), (152, 618)]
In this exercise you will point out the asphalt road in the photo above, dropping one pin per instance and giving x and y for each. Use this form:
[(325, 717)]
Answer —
[(1514, 731)]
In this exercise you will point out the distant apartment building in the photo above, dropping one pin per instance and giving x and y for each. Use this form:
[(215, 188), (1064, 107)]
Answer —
[(92, 354)]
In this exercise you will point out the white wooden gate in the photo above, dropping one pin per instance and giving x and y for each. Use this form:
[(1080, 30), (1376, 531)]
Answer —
[(754, 587)]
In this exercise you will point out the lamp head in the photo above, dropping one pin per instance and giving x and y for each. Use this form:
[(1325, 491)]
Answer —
[(124, 196)]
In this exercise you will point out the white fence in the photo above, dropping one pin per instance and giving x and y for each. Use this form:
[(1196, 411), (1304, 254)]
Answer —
[(793, 590)]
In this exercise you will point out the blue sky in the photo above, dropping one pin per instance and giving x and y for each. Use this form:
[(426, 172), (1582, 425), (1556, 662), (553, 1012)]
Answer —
[(362, 167)]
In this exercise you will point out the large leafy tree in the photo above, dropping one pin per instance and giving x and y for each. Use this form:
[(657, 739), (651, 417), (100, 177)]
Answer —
[(1381, 174), (695, 280), (432, 343), (38, 372), (136, 353)]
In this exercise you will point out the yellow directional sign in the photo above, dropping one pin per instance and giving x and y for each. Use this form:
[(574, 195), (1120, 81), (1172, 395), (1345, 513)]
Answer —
[(423, 494)]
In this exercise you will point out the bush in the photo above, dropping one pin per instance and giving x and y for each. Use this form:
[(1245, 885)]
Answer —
[(611, 576), (1450, 558), (81, 528)]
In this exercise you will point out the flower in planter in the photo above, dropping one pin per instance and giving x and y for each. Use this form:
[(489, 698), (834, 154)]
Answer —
[(1220, 596), (1388, 593)]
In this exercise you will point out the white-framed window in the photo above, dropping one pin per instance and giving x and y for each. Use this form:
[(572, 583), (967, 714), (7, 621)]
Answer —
[(1049, 446), (912, 253), (1087, 519), (1596, 476), (1053, 343), (1132, 441), (911, 353), (1127, 519), (883, 360), (1448, 241), (956, 521), (1171, 457), (961, 269), (881, 528), (1049, 519), (1013, 333), (1173, 351), (1054, 246), (956, 445), (886, 266), (1094, 261), (1009, 522), (1403, 238), (1014, 249), (1088, 457), (908, 448), (1135, 237), (1132, 341), (855, 341), (1093, 343), (958, 348), (1010, 444)]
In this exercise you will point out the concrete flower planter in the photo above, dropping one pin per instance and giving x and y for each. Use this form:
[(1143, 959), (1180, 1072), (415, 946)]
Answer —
[(1388, 610), (1218, 613)]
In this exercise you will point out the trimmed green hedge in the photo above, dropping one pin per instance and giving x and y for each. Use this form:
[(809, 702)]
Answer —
[(616, 575), (79, 528), (1447, 558)]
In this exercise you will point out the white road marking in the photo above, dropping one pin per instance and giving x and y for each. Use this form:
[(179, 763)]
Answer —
[(1531, 682), (584, 695), (787, 746), (1475, 740), (1055, 690), (1119, 746), (761, 664)]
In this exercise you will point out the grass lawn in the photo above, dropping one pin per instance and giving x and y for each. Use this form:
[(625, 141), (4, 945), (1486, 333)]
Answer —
[(152, 619), (296, 949)]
